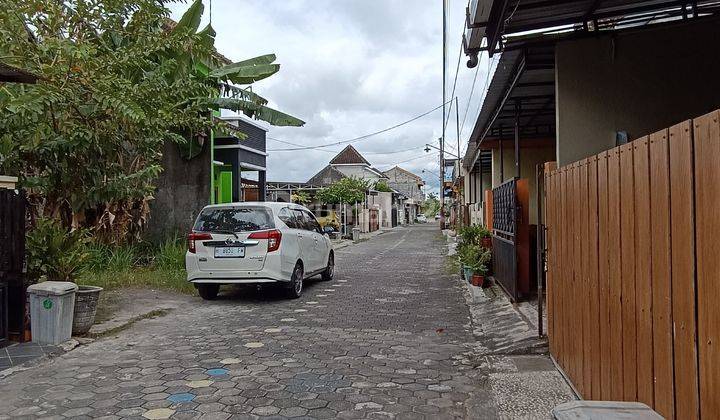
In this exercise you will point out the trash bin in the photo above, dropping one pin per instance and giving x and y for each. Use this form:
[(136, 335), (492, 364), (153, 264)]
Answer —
[(356, 234), (52, 305)]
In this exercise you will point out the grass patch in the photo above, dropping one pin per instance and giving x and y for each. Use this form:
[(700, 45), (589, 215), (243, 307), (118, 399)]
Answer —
[(153, 277), (157, 266)]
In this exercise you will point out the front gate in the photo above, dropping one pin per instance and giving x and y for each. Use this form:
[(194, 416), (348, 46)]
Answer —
[(504, 237), (510, 237), (12, 261)]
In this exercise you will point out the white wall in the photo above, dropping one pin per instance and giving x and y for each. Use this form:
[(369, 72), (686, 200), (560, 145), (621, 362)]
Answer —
[(357, 171)]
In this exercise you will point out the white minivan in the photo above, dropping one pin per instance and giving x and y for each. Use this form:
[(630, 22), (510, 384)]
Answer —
[(255, 243)]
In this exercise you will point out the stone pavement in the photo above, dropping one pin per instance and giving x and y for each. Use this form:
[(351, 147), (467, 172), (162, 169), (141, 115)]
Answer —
[(391, 337)]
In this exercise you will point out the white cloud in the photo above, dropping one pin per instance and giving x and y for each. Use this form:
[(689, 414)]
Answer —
[(348, 68)]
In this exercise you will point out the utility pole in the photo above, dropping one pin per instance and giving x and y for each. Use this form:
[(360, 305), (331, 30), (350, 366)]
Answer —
[(442, 139), (461, 198)]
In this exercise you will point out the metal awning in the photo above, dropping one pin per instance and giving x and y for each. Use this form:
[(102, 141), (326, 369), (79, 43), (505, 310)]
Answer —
[(491, 23)]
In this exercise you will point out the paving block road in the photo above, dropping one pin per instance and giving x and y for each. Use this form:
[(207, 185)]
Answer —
[(390, 337)]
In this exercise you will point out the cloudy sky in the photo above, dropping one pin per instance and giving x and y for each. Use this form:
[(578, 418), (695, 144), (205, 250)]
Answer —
[(349, 68)]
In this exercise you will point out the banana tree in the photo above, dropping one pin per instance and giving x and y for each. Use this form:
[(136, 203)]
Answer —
[(230, 77)]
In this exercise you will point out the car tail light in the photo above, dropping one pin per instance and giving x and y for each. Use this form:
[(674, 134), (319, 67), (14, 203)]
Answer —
[(192, 237), (273, 237)]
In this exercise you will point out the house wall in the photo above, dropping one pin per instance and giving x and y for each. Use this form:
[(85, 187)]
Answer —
[(384, 202), (529, 158), (638, 82), (357, 171), (476, 196), (183, 189), (405, 184)]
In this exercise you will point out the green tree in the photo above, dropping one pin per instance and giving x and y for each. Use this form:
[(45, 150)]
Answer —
[(300, 197), (346, 190), (382, 186), (118, 80)]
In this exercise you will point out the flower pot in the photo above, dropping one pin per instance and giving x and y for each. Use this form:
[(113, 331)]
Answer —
[(486, 242), (86, 300), (478, 280)]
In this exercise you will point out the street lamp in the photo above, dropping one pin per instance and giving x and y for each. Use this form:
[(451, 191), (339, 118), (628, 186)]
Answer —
[(428, 146)]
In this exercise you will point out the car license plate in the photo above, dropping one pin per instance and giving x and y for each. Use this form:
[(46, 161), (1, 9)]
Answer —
[(229, 252)]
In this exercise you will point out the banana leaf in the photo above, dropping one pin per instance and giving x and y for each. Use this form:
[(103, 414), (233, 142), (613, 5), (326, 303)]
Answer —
[(248, 71), (259, 112), (234, 92), (190, 20)]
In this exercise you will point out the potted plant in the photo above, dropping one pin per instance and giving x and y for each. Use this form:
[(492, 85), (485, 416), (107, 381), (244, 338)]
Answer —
[(485, 238), (467, 254), (54, 253), (480, 268)]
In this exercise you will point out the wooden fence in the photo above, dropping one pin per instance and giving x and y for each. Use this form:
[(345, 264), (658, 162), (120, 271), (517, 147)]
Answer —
[(633, 280)]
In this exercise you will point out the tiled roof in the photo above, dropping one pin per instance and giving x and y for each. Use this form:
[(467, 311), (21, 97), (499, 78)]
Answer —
[(349, 155), (326, 176), (405, 171)]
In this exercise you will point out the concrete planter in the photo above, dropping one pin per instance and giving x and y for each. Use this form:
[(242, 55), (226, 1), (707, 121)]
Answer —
[(86, 300)]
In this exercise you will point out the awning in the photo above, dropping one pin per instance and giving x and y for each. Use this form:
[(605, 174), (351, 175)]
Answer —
[(497, 20)]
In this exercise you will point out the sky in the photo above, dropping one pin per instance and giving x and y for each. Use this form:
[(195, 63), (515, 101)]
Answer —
[(349, 68)]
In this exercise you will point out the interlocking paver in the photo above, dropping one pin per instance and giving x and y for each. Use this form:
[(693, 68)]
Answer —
[(387, 339)]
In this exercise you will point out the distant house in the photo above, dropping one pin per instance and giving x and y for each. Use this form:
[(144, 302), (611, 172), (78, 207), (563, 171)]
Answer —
[(409, 185), (348, 163)]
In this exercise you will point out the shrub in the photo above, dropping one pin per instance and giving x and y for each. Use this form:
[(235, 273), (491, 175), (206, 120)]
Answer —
[(473, 235), (54, 253), (475, 257)]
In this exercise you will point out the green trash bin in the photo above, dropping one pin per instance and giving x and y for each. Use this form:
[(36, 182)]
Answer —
[(52, 306)]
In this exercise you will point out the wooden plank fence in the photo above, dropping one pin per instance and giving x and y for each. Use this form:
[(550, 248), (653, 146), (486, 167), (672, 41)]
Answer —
[(633, 237)]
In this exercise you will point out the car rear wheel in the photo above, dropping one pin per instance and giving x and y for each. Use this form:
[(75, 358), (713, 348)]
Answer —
[(208, 291), (296, 282), (329, 272)]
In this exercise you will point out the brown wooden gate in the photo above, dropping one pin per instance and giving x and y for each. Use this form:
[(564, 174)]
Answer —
[(633, 239)]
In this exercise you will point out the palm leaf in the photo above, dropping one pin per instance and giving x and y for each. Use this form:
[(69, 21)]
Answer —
[(190, 20), (259, 112)]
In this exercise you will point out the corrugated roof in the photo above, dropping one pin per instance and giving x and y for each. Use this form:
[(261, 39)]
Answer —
[(495, 19)]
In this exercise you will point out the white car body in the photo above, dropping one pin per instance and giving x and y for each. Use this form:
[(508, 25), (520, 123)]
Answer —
[(421, 218), (258, 263)]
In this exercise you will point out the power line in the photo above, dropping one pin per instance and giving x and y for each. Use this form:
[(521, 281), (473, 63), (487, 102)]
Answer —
[(338, 151), (409, 160), (485, 87), (360, 137), (452, 95), (472, 90)]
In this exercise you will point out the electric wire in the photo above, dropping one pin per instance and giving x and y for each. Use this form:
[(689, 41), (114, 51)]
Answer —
[(363, 137)]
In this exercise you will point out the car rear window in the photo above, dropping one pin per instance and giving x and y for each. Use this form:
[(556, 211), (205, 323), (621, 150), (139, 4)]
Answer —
[(234, 220)]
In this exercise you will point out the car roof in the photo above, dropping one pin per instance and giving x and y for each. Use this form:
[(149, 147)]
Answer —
[(274, 205)]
